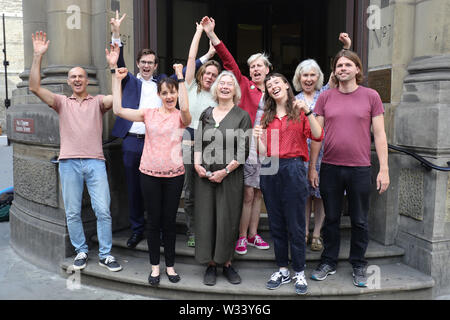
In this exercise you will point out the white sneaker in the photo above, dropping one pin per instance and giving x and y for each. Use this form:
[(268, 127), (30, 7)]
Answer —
[(80, 261), (301, 286)]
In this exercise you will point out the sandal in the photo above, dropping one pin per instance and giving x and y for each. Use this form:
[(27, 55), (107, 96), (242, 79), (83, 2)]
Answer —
[(308, 239), (316, 244)]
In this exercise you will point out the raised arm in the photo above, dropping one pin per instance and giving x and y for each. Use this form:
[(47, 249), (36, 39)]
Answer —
[(190, 67), (346, 44), (115, 36), (229, 63), (124, 113), (40, 47), (208, 25), (115, 25), (111, 58), (346, 41), (183, 99)]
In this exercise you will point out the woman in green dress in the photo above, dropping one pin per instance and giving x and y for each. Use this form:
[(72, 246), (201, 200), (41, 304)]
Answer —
[(221, 149)]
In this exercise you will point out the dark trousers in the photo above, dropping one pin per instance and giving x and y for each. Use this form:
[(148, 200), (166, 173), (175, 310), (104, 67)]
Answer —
[(285, 196), (189, 189), (357, 182), (161, 198), (132, 152)]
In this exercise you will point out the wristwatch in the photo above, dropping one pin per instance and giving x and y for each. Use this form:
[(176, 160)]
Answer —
[(227, 171)]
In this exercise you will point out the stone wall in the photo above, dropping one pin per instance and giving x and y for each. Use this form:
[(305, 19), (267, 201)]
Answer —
[(411, 49), (14, 46)]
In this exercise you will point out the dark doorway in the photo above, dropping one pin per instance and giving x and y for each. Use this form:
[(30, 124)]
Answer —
[(290, 31)]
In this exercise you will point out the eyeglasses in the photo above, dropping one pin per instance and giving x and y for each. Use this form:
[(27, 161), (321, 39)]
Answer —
[(150, 63)]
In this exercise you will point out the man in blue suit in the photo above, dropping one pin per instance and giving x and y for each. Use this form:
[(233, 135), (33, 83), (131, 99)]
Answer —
[(138, 92)]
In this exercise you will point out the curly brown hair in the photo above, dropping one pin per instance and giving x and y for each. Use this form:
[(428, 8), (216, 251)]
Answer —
[(270, 106)]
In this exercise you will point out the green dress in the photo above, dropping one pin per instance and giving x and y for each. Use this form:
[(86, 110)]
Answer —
[(218, 206)]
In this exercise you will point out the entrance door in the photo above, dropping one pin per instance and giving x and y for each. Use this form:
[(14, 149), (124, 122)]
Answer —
[(289, 31)]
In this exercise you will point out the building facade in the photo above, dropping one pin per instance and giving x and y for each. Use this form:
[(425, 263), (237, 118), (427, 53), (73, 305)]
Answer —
[(405, 48), (12, 10)]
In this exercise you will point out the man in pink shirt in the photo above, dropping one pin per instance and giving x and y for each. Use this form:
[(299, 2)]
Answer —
[(81, 156), (347, 114)]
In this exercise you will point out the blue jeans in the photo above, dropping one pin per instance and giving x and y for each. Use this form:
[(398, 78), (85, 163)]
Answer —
[(285, 196), (73, 173)]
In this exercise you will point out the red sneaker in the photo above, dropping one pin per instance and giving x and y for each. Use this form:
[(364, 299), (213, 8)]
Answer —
[(258, 242), (241, 246)]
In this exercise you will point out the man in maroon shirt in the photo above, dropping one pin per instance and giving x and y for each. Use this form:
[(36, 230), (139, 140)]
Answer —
[(348, 112)]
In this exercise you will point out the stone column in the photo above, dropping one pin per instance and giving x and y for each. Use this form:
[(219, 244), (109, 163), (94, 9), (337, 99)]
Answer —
[(421, 125), (76, 29), (391, 44)]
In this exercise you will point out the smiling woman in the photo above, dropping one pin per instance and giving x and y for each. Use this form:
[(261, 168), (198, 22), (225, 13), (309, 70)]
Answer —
[(221, 148), (252, 102), (288, 123), (162, 169)]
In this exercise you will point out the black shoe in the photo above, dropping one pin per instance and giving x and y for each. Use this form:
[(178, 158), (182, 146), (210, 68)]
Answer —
[(110, 263), (210, 276), (173, 278), (231, 274), (134, 240), (154, 281)]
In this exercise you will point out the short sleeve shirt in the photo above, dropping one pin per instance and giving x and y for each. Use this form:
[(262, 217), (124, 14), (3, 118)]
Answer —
[(162, 155), (80, 126), (198, 102), (287, 138), (348, 119)]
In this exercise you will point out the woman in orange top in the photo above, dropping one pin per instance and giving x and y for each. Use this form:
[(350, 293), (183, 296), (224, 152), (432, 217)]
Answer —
[(162, 169)]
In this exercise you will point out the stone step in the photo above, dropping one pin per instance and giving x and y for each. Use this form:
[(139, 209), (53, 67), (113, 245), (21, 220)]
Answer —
[(376, 253), (263, 222), (390, 281)]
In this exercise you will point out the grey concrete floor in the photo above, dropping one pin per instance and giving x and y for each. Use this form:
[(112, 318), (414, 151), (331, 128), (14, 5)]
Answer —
[(6, 166), (20, 280)]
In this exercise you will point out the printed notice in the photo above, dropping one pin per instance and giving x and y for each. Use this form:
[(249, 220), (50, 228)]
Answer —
[(24, 126)]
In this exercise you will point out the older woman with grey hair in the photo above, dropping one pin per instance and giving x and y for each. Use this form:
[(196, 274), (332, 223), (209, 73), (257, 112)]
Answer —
[(220, 150), (308, 80), (253, 102)]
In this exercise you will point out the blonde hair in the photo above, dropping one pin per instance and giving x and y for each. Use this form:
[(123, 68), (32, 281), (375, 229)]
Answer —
[(262, 56), (237, 88), (307, 66)]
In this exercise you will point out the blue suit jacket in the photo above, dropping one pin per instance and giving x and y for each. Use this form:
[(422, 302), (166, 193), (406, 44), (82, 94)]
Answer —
[(131, 95)]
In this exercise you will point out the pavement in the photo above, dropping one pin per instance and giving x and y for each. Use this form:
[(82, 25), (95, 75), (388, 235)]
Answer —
[(21, 280)]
